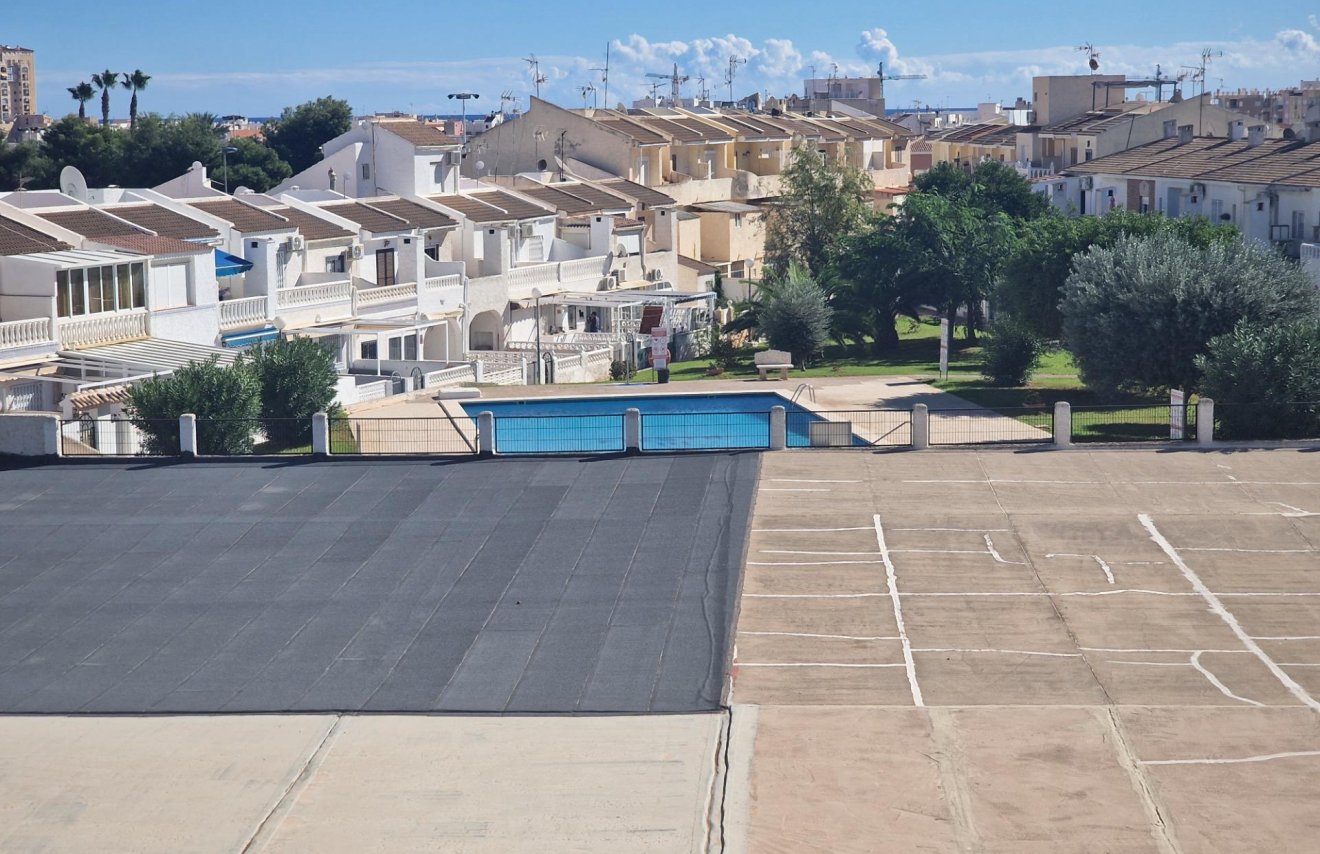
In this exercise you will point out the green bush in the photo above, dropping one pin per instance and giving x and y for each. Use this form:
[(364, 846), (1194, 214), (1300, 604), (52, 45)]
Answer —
[(226, 401), (722, 353), (796, 315), (297, 378), (1011, 353), (619, 370), (1265, 381)]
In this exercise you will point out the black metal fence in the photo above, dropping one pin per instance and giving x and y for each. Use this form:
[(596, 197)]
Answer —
[(229, 437), (121, 437), (690, 431), (1143, 423), (991, 426), (853, 428), (1291, 420), (385, 436), (559, 434)]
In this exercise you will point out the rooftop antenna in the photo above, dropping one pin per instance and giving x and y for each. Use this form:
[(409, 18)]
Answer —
[(655, 88), (507, 97), (806, 93), (703, 94), (675, 82), (537, 77), (605, 75), (589, 89), (734, 62), (1092, 56)]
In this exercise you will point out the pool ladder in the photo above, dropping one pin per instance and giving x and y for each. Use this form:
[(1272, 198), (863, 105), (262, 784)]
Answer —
[(804, 387)]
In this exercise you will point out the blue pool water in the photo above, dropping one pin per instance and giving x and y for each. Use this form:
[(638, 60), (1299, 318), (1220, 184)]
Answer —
[(669, 422)]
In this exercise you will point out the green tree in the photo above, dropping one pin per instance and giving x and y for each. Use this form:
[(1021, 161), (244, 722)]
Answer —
[(878, 282), (1011, 353), (105, 81), (255, 166), (795, 315), (134, 82), (298, 134), (992, 187), (821, 202), (82, 93), (164, 148), (24, 165), (297, 378), (1138, 314), (1265, 381), (95, 149), (226, 401)]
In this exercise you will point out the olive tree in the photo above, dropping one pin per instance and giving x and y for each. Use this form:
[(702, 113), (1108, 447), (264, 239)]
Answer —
[(1265, 381), (226, 401)]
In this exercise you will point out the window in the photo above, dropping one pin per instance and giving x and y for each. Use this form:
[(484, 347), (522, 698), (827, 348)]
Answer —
[(384, 267), (410, 347), (396, 349), (366, 171), (369, 350), (100, 289), (1298, 225), (334, 264)]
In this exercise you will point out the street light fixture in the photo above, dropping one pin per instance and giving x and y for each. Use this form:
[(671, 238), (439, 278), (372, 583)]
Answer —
[(464, 97), (536, 295), (224, 154)]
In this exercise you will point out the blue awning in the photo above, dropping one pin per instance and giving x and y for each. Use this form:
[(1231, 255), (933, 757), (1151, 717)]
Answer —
[(230, 265), (247, 339)]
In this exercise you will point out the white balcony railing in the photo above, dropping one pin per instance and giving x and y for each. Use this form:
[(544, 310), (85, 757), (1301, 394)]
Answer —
[(584, 268), (1310, 252), (436, 283), (25, 333), (240, 313), (367, 297), (101, 329), (532, 276), (305, 295)]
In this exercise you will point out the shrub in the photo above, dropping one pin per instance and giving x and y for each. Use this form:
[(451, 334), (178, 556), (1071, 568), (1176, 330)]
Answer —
[(619, 370), (297, 378), (796, 316), (225, 400), (1265, 381), (1138, 314), (1011, 354), (723, 354)]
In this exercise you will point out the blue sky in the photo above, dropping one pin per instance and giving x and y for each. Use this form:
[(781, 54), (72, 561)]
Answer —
[(253, 58)]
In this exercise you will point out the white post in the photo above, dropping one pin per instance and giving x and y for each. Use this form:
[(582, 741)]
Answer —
[(51, 438), (632, 431), (486, 433), (1205, 421), (778, 428), (1063, 424), (188, 434), (920, 427), (320, 434), (476, 371)]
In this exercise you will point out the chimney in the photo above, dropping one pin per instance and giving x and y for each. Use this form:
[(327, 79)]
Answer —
[(1255, 135), (1184, 134), (1170, 129), (1237, 129)]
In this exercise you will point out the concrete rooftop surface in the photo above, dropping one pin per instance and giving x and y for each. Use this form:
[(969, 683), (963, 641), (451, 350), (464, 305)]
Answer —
[(999, 651)]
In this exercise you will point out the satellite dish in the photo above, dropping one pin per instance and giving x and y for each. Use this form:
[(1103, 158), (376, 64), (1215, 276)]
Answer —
[(621, 250), (481, 164), (72, 183)]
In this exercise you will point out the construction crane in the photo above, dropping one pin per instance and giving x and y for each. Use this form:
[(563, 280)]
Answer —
[(537, 77), (675, 81), (880, 73)]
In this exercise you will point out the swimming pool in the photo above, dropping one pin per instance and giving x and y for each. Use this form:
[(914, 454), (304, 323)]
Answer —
[(670, 422)]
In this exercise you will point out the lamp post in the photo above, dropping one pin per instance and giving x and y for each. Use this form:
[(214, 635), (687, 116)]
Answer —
[(536, 295), (464, 97), (224, 155)]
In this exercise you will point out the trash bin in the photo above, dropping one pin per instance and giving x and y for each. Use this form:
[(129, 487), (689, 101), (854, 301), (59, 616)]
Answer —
[(662, 375)]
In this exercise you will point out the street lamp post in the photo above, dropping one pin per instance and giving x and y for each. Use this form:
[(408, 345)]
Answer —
[(463, 97), (224, 154), (536, 295)]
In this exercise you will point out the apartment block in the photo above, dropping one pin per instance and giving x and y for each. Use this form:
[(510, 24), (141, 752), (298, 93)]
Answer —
[(18, 82)]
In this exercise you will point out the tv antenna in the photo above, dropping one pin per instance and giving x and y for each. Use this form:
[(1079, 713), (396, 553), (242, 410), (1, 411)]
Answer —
[(702, 92), (537, 77), (655, 89), (880, 73), (675, 81), (1092, 56), (734, 62), (507, 97), (584, 91)]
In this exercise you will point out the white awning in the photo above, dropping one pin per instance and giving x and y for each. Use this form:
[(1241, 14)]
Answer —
[(155, 354)]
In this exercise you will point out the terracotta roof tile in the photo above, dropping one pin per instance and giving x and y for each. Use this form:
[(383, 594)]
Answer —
[(419, 215), (645, 195), (492, 206), (311, 226), (417, 133), (373, 220), (165, 222), (153, 244), (1274, 161), (573, 198), (89, 222), (245, 218), (19, 239)]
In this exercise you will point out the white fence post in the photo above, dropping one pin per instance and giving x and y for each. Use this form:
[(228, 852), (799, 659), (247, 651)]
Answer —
[(486, 433), (1063, 424), (920, 427), (188, 434), (320, 434), (632, 431), (477, 372), (1205, 421), (778, 428)]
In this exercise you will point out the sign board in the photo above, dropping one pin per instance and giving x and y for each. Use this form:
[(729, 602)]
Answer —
[(944, 348), (1177, 413), (660, 347)]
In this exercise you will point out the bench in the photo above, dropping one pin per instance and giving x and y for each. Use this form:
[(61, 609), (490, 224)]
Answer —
[(774, 360)]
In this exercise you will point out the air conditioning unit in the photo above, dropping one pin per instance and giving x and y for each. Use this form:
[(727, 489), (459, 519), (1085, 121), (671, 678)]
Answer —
[(605, 283), (525, 230), (298, 243), (1087, 182), (1146, 188), (453, 158), (1198, 189), (355, 251), (653, 275)]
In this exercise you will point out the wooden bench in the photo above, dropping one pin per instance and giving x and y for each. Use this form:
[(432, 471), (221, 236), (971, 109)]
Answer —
[(774, 360)]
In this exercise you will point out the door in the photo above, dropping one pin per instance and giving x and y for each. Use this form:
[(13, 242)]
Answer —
[(1173, 207), (385, 267)]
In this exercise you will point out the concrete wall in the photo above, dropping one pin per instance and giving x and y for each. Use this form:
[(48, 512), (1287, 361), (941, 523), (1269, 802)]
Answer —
[(519, 145), (28, 435)]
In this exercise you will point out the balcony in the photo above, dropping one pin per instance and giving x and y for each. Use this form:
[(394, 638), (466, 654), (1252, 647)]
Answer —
[(97, 330), (25, 333), (309, 296), (242, 313), (371, 297)]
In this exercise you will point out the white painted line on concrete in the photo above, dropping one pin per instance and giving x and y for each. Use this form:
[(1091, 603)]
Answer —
[(960, 530), (1132, 649), (1286, 637), (1065, 593), (813, 596), (1154, 663), (803, 552), (1218, 607), (1268, 757), (805, 480), (891, 578), (790, 489), (1250, 551), (1003, 652), (808, 664), (825, 637), (1214, 680), (996, 480), (808, 562), (940, 551), (994, 553), (1104, 567), (806, 530), (1135, 482), (1299, 663)]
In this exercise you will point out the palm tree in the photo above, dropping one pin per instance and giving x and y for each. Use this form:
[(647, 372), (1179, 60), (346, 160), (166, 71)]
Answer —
[(135, 82), (105, 81), (82, 93)]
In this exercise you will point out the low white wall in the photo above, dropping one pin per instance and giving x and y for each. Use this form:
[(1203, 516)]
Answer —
[(29, 435)]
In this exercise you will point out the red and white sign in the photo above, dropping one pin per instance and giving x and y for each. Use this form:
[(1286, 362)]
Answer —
[(660, 348)]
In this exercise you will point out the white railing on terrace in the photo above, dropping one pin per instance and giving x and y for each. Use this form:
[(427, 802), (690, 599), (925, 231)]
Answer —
[(456, 375), (596, 338), (103, 329), (25, 333), (583, 268), (388, 293), (437, 282), (531, 276), (237, 313), (496, 357), (304, 295), (505, 376), (1310, 252)]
